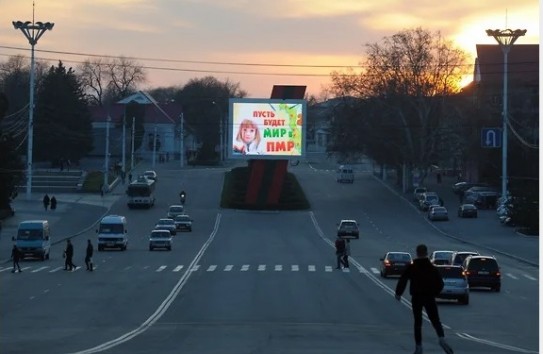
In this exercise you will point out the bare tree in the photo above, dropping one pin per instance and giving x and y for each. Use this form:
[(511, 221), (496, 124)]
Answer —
[(94, 77)]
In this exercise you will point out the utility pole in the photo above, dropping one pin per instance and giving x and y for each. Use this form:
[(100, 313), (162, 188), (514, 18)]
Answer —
[(132, 152), (123, 170), (154, 149), (106, 162), (182, 142), (33, 32), (506, 39)]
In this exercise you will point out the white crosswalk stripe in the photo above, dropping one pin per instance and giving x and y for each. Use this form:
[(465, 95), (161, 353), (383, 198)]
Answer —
[(328, 269), (211, 268), (161, 268), (195, 268), (56, 269), (529, 277), (244, 267), (178, 268), (39, 269), (6, 269), (278, 268), (228, 268), (311, 268), (375, 270), (261, 267), (294, 268)]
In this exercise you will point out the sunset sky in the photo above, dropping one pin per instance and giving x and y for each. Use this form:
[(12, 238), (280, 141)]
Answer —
[(305, 40)]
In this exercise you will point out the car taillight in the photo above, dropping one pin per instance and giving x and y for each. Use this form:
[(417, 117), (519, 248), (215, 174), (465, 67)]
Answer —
[(465, 273), (498, 274)]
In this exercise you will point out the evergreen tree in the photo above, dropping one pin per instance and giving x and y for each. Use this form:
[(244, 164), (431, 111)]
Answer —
[(62, 123), (11, 166)]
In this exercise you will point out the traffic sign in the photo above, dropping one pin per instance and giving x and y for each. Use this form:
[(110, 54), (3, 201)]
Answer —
[(491, 137)]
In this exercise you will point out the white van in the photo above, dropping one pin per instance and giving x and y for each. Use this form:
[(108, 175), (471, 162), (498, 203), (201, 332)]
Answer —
[(112, 233), (33, 239), (345, 174)]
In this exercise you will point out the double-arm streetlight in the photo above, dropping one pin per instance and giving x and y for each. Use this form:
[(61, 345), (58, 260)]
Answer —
[(33, 32), (506, 39)]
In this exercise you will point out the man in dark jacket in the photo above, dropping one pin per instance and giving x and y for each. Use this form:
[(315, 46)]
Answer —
[(69, 254), (15, 256), (425, 283), (88, 256), (340, 251)]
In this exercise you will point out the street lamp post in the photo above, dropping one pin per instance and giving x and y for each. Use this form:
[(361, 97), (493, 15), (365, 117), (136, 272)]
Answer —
[(221, 147), (181, 141), (33, 32), (506, 39)]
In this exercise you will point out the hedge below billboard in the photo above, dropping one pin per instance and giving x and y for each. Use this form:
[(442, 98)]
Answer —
[(267, 128)]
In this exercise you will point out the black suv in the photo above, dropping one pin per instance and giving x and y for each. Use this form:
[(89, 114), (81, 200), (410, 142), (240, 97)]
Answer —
[(483, 271)]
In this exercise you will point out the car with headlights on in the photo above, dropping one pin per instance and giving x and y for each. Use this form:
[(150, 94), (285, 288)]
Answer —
[(394, 263), (183, 222), (436, 213), (166, 224), (455, 283), (441, 257), (160, 239)]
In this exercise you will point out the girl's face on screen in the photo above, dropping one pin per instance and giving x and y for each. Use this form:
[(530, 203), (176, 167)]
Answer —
[(248, 134)]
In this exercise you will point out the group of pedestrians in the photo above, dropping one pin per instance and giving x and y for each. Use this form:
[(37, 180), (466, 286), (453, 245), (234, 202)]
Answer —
[(68, 256), (49, 202)]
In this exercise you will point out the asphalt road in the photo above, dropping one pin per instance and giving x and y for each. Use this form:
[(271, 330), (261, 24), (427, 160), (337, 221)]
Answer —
[(260, 282)]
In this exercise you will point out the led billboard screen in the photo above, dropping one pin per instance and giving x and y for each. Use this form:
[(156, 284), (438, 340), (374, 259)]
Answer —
[(266, 128)]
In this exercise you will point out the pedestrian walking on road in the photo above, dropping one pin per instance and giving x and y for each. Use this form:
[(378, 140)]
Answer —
[(425, 283), (15, 257), (347, 253), (53, 203), (46, 201), (438, 178), (88, 256), (340, 251), (69, 255)]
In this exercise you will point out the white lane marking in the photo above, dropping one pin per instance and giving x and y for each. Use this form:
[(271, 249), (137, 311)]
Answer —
[(511, 276), (146, 267), (346, 270), (228, 268), (244, 267), (328, 269), (407, 303), (211, 268), (178, 268), (25, 268), (46, 291), (127, 268), (375, 270), (39, 269), (195, 268), (8, 268), (278, 268), (161, 310), (529, 277), (261, 267), (294, 268), (311, 268), (55, 270), (161, 268)]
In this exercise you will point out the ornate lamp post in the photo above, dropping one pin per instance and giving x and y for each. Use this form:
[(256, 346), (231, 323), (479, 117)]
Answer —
[(33, 32), (506, 38)]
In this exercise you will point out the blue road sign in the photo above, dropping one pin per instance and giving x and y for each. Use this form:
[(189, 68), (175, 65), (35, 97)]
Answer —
[(491, 137)]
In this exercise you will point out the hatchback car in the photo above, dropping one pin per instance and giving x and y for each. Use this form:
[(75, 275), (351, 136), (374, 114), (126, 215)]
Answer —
[(441, 257), (457, 258), (455, 284), (348, 229), (483, 271), (394, 263), (438, 213), (160, 239), (183, 222), (175, 210), (166, 224), (467, 211)]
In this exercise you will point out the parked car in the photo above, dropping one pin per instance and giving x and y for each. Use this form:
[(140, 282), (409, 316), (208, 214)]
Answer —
[(487, 199), (175, 210), (457, 258), (472, 194), (483, 271), (461, 187), (150, 175), (160, 239), (455, 282), (417, 193), (427, 199), (441, 257), (394, 263), (348, 229), (438, 213), (467, 211), (183, 222), (166, 224)]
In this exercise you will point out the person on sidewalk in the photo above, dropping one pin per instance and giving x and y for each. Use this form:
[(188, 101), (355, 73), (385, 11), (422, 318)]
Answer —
[(15, 257), (69, 255), (347, 253), (88, 256), (340, 251), (425, 283), (46, 201), (53, 203)]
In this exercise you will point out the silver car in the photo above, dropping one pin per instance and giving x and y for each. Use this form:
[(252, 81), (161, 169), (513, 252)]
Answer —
[(455, 283), (166, 224), (438, 213), (160, 239)]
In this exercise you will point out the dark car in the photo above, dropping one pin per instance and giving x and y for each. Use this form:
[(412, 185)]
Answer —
[(467, 211), (457, 258), (394, 263), (455, 282), (427, 199), (441, 257), (461, 187), (483, 271), (348, 229), (438, 213), (183, 222)]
